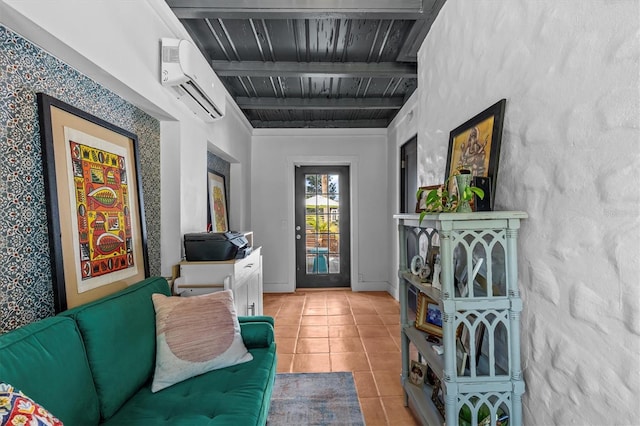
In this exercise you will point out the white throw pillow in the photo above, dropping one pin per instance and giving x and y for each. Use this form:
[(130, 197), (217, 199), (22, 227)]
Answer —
[(195, 335)]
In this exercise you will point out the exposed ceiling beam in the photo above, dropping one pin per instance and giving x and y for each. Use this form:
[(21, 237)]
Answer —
[(419, 30), (300, 124), (314, 69), (296, 9), (319, 103)]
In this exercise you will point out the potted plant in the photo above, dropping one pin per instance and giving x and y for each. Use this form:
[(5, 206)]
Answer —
[(446, 201)]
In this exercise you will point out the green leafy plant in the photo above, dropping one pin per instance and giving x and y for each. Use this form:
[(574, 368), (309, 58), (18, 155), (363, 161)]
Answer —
[(441, 200)]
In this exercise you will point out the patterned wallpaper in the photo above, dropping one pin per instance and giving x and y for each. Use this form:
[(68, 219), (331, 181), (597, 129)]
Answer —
[(26, 293)]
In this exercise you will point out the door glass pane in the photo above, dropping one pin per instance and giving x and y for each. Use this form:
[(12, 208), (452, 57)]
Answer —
[(322, 217)]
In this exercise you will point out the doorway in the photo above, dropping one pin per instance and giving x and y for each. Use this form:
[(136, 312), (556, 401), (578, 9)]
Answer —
[(408, 189), (322, 216)]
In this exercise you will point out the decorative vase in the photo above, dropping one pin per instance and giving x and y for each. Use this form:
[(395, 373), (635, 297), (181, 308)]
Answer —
[(463, 181)]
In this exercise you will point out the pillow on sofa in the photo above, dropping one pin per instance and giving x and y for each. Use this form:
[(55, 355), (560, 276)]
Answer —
[(195, 335), (18, 409)]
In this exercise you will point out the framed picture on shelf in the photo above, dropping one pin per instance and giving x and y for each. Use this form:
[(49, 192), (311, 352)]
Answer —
[(429, 315), (95, 210), (432, 256), (475, 145), (437, 396), (218, 203), (417, 373), (421, 203)]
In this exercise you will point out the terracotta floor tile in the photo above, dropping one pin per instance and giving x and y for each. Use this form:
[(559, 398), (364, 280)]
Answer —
[(286, 330), (270, 312), (363, 337), (314, 331), (345, 344), (363, 309), (315, 311), (311, 363), (286, 345), (314, 320), (395, 409), (341, 320), (284, 363), (379, 344), (373, 331), (343, 331), (365, 385), (387, 308), (390, 319), (367, 319), (349, 361), (338, 310), (373, 412), (312, 345), (288, 320), (388, 383), (390, 361)]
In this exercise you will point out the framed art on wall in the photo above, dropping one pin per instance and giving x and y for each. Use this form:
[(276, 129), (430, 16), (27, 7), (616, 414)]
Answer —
[(218, 203), (97, 233), (475, 145)]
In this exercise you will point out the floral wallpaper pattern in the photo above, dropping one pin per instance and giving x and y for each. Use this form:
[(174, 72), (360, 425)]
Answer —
[(26, 293)]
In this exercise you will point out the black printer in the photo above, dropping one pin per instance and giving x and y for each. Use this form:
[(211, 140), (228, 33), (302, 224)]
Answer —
[(215, 246)]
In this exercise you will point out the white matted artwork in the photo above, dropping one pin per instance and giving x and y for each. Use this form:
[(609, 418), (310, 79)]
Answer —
[(218, 203)]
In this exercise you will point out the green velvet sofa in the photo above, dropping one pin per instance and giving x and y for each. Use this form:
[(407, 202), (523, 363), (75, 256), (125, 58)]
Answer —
[(94, 365)]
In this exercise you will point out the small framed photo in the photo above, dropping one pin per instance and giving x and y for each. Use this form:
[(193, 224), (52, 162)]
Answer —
[(421, 204), (432, 255), (438, 396), (417, 373), (429, 315)]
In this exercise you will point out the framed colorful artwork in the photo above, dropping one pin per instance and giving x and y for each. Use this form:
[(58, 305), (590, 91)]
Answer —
[(97, 233), (475, 145), (429, 315), (218, 203)]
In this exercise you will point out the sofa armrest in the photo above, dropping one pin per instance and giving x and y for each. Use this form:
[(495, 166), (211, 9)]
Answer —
[(257, 334), (256, 318)]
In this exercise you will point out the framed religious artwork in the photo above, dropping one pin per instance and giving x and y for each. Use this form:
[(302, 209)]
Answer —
[(95, 209), (475, 146), (218, 203)]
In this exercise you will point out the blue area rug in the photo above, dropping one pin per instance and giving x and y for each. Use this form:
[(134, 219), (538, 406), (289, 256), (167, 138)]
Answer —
[(315, 399)]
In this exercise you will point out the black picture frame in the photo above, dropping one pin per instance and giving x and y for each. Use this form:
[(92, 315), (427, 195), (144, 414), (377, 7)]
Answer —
[(66, 134), (468, 141)]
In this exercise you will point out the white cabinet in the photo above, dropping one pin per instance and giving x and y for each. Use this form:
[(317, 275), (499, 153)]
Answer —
[(242, 276)]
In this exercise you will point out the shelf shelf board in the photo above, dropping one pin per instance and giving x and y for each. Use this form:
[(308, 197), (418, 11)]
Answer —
[(420, 400), (418, 338), (426, 288)]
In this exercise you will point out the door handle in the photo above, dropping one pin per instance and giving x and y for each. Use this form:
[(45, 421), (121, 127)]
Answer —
[(251, 309), (298, 236), (298, 228)]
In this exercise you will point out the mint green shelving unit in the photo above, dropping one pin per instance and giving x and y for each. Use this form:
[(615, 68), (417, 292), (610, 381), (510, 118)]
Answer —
[(484, 306)]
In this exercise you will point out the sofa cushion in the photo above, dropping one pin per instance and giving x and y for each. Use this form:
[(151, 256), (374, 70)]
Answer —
[(46, 360), (119, 336), (18, 409), (195, 335), (237, 395)]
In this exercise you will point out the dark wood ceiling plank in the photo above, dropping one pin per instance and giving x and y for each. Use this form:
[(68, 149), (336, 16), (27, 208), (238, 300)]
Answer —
[(320, 103), (314, 69)]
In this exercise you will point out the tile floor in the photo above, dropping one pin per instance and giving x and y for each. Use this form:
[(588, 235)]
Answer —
[(340, 330)]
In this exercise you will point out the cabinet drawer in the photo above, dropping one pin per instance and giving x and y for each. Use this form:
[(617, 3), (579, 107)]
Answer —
[(243, 268)]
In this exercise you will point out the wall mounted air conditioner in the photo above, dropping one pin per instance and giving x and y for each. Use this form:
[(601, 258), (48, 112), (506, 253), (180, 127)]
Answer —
[(188, 73)]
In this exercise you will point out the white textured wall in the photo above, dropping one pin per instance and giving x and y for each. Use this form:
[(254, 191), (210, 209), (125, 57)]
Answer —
[(570, 158)]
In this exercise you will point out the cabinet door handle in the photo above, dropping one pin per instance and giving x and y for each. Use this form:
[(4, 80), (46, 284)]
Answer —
[(251, 309), (248, 266)]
